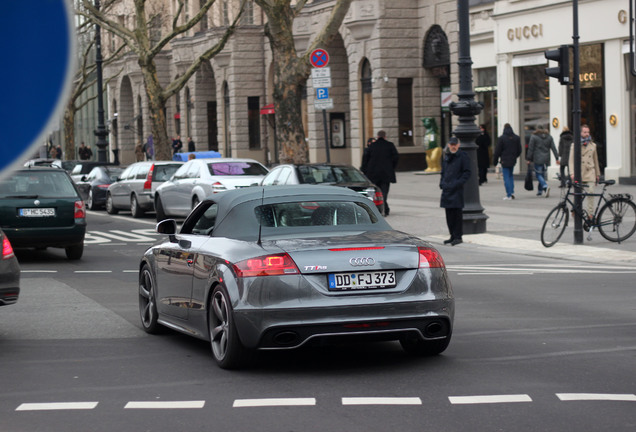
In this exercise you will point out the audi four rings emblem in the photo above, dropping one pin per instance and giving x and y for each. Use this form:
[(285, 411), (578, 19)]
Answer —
[(357, 262)]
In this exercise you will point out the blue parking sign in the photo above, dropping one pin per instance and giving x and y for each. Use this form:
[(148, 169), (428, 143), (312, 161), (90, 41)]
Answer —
[(37, 72), (322, 93)]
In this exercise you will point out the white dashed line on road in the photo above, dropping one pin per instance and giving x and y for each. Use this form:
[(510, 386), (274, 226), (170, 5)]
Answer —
[(165, 405), (271, 402), (596, 397), (57, 406), (381, 401), (490, 399)]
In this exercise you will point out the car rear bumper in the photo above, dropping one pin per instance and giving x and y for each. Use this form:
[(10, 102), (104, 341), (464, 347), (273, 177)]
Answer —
[(146, 200), (294, 327), (46, 236), (9, 282)]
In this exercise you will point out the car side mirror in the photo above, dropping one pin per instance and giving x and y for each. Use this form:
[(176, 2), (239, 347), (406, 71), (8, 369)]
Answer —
[(83, 178), (168, 227)]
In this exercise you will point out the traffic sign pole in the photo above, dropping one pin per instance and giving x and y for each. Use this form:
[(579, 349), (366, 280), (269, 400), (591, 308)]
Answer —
[(321, 81)]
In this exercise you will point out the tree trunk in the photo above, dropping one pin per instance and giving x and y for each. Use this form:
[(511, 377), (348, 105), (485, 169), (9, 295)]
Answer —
[(69, 130), (289, 125), (157, 104)]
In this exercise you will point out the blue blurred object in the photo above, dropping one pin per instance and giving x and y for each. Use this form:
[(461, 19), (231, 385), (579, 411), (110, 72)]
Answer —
[(183, 157)]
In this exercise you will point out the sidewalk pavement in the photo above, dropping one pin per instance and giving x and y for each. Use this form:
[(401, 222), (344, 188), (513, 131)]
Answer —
[(513, 226)]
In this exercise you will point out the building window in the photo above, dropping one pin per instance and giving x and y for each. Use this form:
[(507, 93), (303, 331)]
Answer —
[(366, 87), (248, 13), (254, 122), (204, 20), (405, 111), (226, 12)]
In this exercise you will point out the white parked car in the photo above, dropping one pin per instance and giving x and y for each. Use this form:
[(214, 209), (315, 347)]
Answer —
[(199, 178)]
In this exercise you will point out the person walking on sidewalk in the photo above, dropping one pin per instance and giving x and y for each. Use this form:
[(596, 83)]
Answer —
[(507, 151), (590, 168), (541, 143), (378, 163), (483, 156), (565, 142), (455, 173)]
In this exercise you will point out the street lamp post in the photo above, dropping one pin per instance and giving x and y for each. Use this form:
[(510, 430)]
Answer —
[(101, 132), (466, 108)]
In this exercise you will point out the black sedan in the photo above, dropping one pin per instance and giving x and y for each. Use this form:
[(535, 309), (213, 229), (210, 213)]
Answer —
[(94, 186), (326, 174), (275, 268), (9, 273)]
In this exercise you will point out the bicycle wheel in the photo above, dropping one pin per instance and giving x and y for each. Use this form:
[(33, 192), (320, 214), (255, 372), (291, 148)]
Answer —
[(554, 225), (617, 220)]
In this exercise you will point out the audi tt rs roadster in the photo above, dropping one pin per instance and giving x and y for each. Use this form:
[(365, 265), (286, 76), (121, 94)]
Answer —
[(274, 268)]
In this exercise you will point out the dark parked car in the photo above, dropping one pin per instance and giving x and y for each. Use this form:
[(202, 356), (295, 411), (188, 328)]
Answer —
[(94, 186), (326, 174), (9, 273), (41, 207), (83, 167), (135, 188), (281, 267)]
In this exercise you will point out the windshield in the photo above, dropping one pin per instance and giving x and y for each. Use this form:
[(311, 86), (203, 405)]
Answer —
[(237, 169), (330, 174), (37, 184), (321, 213)]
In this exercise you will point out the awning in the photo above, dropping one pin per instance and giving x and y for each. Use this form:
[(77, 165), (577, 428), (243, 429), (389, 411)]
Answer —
[(268, 109)]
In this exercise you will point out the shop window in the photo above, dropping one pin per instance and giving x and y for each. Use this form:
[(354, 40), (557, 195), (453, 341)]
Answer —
[(405, 111), (253, 121)]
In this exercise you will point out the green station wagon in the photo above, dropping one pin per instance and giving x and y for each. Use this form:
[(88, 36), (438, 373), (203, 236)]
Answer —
[(41, 207)]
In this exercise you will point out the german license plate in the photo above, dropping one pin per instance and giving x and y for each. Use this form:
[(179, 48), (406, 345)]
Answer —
[(36, 212), (361, 280)]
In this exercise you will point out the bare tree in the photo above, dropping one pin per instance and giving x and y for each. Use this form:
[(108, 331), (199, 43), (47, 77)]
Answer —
[(140, 40), (291, 71)]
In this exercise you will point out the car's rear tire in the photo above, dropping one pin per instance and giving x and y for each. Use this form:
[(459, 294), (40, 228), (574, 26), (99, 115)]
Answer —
[(413, 345), (110, 208), (161, 214), (135, 209), (148, 302), (227, 349), (74, 252)]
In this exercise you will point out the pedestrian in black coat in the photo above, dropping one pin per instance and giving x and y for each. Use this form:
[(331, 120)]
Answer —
[(455, 173), (507, 151), (483, 154), (565, 142), (378, 163)]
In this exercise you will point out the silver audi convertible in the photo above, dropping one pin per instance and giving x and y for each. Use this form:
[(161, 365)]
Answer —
[(270, 268)]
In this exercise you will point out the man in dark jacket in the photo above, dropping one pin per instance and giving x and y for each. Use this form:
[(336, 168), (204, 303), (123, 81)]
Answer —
[(539, 154), (483, 156), (508, 150), (455, 173), (378, 163), (565, 142)]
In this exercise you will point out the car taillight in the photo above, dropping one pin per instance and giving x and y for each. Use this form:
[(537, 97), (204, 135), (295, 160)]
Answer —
[(378, 198), (80, 211), (430, 258), (7, 250), (148, 182), (268, 265), (103, 186), (218, 187)]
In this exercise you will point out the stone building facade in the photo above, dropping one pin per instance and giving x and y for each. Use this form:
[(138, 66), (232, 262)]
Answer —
[(391, 64)]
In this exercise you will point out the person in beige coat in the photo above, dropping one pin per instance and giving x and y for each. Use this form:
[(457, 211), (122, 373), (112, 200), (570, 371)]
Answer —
[(590, 168)]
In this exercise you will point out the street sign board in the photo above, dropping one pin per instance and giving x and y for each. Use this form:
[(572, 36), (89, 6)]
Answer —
[(319, 58), (321, 77), (322, 93), (323, 104), (38, 74)]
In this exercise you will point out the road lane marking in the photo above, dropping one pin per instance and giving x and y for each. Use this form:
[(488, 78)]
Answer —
[(489, 399), (54, 406), (165, 404), (381, 401), (596, 397), (93, 271), (38, 271), (124, 236), (269, 402)]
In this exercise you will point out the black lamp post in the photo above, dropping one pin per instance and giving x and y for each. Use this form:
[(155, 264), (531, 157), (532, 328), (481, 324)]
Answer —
[(466, 108), (101, 132)]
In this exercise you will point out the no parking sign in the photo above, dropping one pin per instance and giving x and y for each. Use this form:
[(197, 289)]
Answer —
[(38, 45)]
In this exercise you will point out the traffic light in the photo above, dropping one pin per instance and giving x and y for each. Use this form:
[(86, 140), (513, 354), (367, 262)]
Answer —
[(562, 57)]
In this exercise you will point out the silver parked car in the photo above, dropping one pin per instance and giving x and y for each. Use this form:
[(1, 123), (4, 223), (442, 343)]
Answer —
[(280, 267), (199, 178), (135, 188)]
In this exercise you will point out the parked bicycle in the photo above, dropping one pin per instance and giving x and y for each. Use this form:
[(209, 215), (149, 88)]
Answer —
[(615, 217)]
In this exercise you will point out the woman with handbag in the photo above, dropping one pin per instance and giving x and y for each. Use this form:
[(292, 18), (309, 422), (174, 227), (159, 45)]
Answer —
[(508, 150)]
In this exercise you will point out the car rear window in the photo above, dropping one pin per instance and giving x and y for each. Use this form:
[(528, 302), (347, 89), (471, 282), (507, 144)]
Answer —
[(37, 184), (313, 213), (328, 174), (236, 169), (162, 173)]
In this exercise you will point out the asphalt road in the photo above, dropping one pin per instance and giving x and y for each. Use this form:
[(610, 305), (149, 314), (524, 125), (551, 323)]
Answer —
[(539, 345)]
